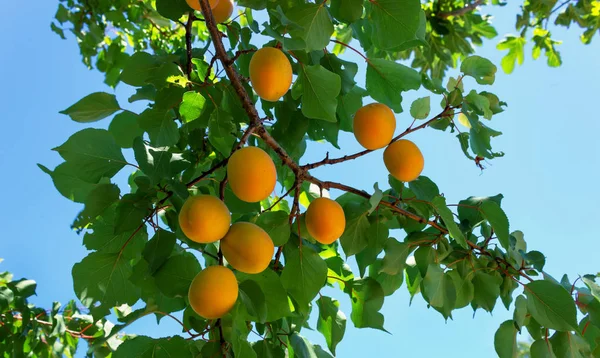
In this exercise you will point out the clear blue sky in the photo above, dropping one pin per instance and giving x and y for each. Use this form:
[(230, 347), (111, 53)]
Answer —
[(548, 176)]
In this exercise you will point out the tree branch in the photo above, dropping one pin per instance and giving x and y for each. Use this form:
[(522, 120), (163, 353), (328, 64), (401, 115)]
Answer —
[(188, 44)]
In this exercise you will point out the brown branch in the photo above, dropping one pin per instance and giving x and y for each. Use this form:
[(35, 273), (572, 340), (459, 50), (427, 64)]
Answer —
[(330, 161), (188, 44), (462, 11), (351, 48), (280, 199)]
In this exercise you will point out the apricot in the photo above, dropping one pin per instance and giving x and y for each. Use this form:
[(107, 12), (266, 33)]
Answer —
[(404, 160), (195, 4), (325, 220), (223, 11), (252, 174), (204, 219), (213, 292), (247, 248), (270, 73), (374, 126)]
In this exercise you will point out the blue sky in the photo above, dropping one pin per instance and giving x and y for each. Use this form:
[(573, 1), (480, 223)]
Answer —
[(548, 176)]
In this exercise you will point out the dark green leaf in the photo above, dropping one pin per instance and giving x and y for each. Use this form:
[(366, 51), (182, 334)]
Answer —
[(505, 340), (221, 131), (439, 289), (568, 345), (139, 69), (520, 314), (386, 80), (276, 224), (158, 249), (253, 298), (176, 274), (439, 204), (395, 22), (316, 25), (487, 290), (158, 163), (304, 273), (99, 199), (541, 349), (161, 127), (355, 239), (93, 107), (395, 256), (347, 11), (125, 128), (146, 347), (492, 212), (275, 296)]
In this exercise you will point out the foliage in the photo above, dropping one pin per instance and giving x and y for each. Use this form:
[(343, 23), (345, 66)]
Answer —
[(192, 76)]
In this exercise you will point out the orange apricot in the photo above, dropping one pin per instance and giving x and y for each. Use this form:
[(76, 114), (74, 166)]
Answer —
[(223, 11), (252, 174), (404, 160), (195, 4), (325, 220), (374, 126), (270, 73), (248, 248), (204, 219), (213, 292)]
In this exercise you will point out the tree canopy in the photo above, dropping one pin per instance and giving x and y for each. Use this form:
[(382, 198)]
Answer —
[(204, 104)]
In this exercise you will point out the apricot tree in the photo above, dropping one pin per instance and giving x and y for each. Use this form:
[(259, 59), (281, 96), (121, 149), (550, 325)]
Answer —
[(231, 102)]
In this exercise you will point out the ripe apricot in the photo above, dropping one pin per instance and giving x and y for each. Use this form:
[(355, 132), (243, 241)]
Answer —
[(204, 219), (325, 220), (195, 4), (404, 160), (252, 174), (247, 248), (374, 126), (223, 10), (213, 292), (270, 73)]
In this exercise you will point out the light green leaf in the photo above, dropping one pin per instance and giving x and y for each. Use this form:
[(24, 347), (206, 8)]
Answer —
[(191, 106), (541, 349), (551, 305), (331, 322), (276, 224), (487, 290), (304, 273), (367, 299), (420, 108), (520, 314), (395, 22), (316, 25), (482, 69), (67, 182), (386, 80), (568, 345), (505, 340), (480, 103), (355, 239), (93, 107), (465, 291), (319, 89), (375, 199), (439, 204), (515, 47), (439, 289)]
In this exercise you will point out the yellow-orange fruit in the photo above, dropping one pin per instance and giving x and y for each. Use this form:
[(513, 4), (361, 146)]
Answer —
[(195, 4), (374, 126), (270, 73), (247, 248), (213, 292), (404, 160), (252, 174), (204, 219), (223, 11), (325, 220)]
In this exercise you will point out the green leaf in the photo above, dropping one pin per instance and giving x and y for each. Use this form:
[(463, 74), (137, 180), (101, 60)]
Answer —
[(593, 286), (395, 22), (104, 279), (355, 239), (23, 288), (146, 347), (439, 204), (515, 47), (161, 127), (541, 349), (103, 238), (316, 25), (93, 107), (389, 283), (386, 80), (319, 89), (221, 129), (331, 322), (347, 11), (158, 249), (377, 236), (348, 104), (94, 152), (439, 289), (99, 199), (275, 295), (520, 314), (125, 128), (492, 212), (375, 199), (367, 299), (395, 256), (487, 290), (131, 212), (264, 348), (302, 347), (505, 340), (66, 180), (465, 291), (276, 224), (566, 344), (175, 276), (551, 305), (192, 105), (304, 274), (420, 108), (424, 188), (158, 163), (139, 69), (482, 69), (253, 298), (480, 103), (6, 298), (172, 9)]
